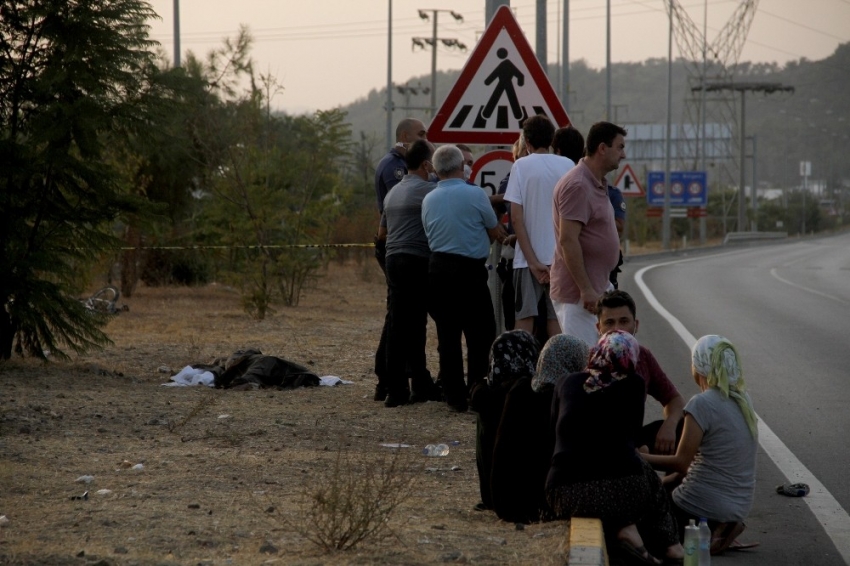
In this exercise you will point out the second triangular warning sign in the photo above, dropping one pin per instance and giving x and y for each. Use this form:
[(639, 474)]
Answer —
[(628, 183), (501, 84)]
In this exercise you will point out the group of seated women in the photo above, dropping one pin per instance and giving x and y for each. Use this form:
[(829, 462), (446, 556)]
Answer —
[(557, 438)]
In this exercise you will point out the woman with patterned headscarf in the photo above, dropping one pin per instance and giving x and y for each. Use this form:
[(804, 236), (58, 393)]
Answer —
[(596, 470), (513, 356), (525, 438), (717, 452)]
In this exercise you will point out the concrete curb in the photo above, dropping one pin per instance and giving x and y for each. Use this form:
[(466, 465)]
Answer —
[(586, 543)]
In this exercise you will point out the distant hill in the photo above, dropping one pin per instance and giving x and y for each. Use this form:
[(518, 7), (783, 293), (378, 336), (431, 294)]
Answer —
[(813, 124)]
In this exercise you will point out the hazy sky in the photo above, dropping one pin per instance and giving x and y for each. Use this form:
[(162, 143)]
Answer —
[(327, 53)]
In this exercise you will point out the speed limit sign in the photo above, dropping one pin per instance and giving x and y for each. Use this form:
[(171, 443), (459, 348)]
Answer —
[(489, 170)]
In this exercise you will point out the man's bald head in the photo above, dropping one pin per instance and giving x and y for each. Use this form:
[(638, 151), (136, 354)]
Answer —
[(409, 130)]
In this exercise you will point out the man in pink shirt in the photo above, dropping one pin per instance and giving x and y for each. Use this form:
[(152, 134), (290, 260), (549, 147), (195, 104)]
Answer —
[(616, 310), (588, 247)]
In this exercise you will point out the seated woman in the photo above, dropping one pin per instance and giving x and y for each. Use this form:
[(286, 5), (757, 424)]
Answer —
[(525, 438), (513, 356), (717, 452), (596, 471)]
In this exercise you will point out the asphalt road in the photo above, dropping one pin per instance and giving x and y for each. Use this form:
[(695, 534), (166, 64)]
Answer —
[(786, 306)]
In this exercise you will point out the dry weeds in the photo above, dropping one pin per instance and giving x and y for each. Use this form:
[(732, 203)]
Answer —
[(223, 471)]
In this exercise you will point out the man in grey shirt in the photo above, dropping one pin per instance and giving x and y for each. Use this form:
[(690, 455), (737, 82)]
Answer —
[(407, 276)]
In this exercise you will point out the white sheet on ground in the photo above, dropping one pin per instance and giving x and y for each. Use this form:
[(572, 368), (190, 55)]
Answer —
[(331, 380), (191, 376)]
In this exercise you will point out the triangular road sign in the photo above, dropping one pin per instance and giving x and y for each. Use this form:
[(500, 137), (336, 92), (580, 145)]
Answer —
[(501, 84), (628, 183)]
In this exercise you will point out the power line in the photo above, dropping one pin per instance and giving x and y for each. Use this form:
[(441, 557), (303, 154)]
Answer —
[(798, 24)]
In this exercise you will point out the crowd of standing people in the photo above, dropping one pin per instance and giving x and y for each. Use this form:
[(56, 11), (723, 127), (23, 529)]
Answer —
[(560, 396)]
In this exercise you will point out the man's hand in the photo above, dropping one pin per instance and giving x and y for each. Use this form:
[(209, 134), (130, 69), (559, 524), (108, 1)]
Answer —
[(665, 440), (497, 233), (540, 272), (589, 298)]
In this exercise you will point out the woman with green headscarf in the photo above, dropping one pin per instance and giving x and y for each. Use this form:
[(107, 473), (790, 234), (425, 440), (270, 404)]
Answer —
[(717, 452)]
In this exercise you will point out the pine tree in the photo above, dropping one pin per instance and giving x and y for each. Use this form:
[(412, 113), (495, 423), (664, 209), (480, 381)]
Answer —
[(75, 80)]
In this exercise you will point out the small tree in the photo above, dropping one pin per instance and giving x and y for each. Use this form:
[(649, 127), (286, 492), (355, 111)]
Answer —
[(74, 80), (277, 185)]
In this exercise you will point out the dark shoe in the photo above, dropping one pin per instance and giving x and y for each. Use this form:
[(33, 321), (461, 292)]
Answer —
[(397, 399), (460, 406), (380, 392)]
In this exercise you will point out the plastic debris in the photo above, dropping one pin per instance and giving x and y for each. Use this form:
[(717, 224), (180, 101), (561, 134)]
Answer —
[(138, 467), (84, 479), (4, 520), (104, 491), (83, 497), (395, 445)]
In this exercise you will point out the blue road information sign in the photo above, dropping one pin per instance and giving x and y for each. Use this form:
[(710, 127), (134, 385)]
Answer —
[(500, 85), (688, 188)]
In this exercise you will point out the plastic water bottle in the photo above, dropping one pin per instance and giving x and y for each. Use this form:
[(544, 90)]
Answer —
[(691, 545), (704, 543), (436, 450)]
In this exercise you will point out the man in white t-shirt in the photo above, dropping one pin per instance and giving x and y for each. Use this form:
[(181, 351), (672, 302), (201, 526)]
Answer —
[(532, 182)]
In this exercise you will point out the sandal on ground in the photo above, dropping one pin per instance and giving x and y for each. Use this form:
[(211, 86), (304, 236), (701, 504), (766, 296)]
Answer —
[(737, 545), (793, 489), (636, 554), (724, 535)]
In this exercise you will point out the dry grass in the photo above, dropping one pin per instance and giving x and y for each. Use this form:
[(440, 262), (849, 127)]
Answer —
[(224, 471)]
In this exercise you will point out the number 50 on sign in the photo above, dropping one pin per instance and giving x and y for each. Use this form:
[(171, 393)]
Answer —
[(489, 170)]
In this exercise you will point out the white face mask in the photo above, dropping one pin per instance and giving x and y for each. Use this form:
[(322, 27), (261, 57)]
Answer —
[(467, 172)]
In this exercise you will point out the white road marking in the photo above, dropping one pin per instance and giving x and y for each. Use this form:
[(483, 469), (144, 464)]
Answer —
[(807, 289), (826, 509)]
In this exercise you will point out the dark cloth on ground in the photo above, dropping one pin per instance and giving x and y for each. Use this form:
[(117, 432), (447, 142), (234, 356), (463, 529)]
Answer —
[(252, 368), (523, 447)]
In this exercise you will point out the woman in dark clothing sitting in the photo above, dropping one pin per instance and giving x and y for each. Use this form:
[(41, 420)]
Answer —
[(526, 437), (513, 356), (596, 471)]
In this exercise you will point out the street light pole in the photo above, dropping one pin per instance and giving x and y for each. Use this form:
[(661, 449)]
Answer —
[(176, 33), (742, 201), (608, 59), (565, 59), (434, 64), (665, 216), (421, 41), (541, 35), (389, 74)]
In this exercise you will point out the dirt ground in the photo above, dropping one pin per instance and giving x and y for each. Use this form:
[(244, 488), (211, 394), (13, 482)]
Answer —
[(223, 471)]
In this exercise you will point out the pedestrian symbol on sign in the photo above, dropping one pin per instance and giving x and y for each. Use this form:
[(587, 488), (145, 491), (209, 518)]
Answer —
[(504, 74)]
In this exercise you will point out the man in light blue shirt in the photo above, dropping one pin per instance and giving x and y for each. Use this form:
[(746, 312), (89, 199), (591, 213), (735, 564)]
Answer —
[(460, 225)]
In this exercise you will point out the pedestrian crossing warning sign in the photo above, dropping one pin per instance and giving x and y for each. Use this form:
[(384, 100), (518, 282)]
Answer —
[(628, 183), (501, 85)]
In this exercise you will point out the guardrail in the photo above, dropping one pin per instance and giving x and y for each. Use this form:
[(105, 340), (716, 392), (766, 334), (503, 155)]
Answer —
[(751, 236)]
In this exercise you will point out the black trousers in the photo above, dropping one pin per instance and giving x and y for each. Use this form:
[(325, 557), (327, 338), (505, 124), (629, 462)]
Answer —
[(406, 334), (461, 306)]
